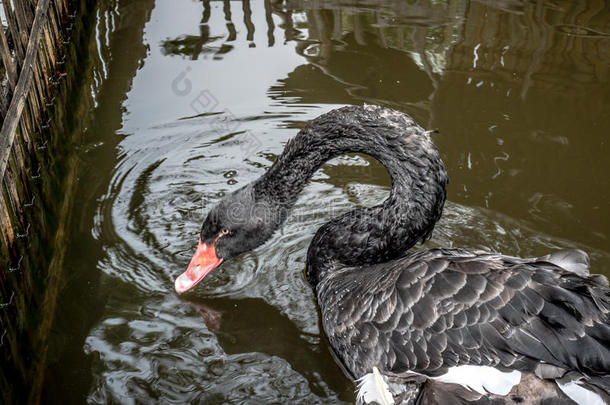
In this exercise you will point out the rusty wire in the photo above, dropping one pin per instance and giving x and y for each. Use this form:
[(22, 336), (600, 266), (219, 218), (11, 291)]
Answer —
[(18, 267)]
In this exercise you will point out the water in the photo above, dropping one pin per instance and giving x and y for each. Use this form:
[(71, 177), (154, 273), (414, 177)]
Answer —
[(195, 99)]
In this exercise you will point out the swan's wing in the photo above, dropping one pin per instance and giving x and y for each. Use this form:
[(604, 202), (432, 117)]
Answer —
[(573, 260), (440, 309)]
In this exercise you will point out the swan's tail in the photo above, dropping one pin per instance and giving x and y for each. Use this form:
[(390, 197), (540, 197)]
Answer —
[(372, 388)]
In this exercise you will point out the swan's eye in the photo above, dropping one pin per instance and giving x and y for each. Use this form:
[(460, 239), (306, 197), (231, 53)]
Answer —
[(225, 231)]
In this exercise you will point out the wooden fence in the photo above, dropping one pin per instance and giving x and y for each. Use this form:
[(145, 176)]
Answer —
[(34, 48)]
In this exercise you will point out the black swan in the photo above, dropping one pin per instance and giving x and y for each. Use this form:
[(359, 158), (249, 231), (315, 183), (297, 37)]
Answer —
[(437, 326)]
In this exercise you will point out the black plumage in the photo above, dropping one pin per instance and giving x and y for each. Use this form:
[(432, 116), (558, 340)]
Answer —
[(414, 314), (439, 308)]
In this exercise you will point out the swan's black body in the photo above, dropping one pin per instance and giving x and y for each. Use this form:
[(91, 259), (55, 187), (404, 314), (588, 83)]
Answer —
[(414, 314)]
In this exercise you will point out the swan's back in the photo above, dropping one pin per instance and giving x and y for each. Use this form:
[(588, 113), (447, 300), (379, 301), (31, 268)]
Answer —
[(433, 311)]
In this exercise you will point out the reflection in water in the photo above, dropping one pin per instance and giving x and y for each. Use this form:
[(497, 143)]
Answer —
[(518, 89), (113, 63), (252, 325)]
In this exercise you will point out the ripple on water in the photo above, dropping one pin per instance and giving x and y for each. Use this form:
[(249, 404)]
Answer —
[(170, 354), (150, 345)]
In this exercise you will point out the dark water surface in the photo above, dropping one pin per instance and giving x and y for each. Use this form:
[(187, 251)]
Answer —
[(195, 99)]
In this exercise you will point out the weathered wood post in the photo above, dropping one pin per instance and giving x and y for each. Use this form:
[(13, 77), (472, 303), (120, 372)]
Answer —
[(34, 44)]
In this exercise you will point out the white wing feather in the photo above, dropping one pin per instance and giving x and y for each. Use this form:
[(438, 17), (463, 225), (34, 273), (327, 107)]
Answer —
[(579, 394), (373, 388), (482, 379)]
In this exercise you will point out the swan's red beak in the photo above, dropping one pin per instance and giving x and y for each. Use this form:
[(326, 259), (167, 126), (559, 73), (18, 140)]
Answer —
[(204, 261)]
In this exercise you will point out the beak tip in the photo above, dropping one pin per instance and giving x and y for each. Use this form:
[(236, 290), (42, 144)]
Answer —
[(179, 286), (204, 260)]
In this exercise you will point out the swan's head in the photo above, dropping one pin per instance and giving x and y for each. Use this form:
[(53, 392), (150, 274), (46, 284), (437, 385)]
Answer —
[(238, 223)]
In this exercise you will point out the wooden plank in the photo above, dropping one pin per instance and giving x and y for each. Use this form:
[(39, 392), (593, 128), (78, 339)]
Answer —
[(30, 6), (5, 223), (26, 9), (12, 25), (57, 33), (21, 173), (49, 51), (62, 9), (26, 116), (12, 174), (33, 104), (45, 87), (7, 60), (7, 134), (46, 60), (40, 89), (37, 97), (23, 25), (14, 202)]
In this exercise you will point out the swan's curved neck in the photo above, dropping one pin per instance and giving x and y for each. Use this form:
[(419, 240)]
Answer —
[(367, 235)]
